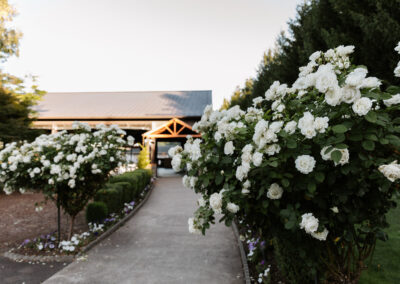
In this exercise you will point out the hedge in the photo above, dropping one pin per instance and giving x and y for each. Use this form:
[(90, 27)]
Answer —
[(119, 190)]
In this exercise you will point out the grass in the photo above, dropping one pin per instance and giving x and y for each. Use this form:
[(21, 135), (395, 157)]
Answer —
[(385, 265)]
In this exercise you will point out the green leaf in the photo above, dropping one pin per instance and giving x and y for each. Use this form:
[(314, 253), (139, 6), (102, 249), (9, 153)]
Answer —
[(319, 177), (273, 164), (218, 180), (336, 156), (340, 128), (311, 187), (371, 116), (371, 137), (368, 145), (384, 141), (291, 144), (285, 182), (393, 139), (341, 146)]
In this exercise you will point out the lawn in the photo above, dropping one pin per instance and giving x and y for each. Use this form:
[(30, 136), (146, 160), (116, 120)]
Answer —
[(385, 266)]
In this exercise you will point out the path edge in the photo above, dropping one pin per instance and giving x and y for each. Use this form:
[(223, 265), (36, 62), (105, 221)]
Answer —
[(242, 253), (116, 226)]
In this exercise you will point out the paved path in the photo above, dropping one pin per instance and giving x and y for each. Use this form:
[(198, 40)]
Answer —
[(155, 247)]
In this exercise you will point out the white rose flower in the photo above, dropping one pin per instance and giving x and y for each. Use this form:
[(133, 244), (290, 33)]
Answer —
[(397, 70), (193, 229), (176, 162), (350, 94), (233, 208), (229, 148), (333, 96), (362, 106), (371, 83), (305, 164), (391, 171), (201, 202), (321, 124), (315, 56), (394, 100), (71, 183), (290, 127), (345, 157), (275, 191), (309, 223), (325, 78), (320, 235), (186, 181), (276, 126), (356, 78), (257, 159), (216, 202), (326, 155), (242, 171)]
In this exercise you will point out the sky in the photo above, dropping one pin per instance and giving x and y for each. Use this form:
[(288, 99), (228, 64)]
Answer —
[(146, 45)]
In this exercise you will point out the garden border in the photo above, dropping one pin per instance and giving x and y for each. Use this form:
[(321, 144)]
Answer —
[(69, 258), (242, 253)]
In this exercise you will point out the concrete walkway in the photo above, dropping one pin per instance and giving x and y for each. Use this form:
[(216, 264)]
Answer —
[(155, 247)]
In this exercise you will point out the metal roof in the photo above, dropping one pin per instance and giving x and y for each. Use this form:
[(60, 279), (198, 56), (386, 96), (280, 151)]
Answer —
[(111, 105)]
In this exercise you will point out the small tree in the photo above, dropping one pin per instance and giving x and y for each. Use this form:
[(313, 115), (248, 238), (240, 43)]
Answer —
[(68, 168), (143, 159)]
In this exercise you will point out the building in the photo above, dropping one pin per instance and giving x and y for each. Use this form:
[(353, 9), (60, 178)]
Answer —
[(160, 116)]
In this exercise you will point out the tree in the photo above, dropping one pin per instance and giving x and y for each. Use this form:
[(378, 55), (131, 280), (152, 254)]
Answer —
[(16, 113), (372, 26), (143, 159)]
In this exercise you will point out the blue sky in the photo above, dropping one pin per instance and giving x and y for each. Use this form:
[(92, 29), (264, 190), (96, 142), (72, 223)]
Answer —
[(132, 45)]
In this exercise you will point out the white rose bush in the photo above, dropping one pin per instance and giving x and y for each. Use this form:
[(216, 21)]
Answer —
[(68, 168), (311, 168)]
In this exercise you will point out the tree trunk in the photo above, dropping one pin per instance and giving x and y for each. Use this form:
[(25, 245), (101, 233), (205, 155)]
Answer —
[(71, 227), (58, 220)]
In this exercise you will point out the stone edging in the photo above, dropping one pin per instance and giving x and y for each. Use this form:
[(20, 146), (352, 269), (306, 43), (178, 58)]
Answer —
[(242, 254), (69, 258)]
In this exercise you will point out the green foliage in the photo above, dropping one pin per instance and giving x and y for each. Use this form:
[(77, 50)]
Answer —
[(16, 101), (372, 26), (112, 198), (96, 212), (144, 158), (123, 188), (384, 267)]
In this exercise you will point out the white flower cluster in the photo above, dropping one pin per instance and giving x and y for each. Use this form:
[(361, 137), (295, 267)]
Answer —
[(391, 171), (310, 224), (71, 245), (309, 126), (325, 80), (62, 157)]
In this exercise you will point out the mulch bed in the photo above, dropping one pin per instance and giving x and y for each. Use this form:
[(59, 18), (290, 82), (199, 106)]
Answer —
[(20, 221)]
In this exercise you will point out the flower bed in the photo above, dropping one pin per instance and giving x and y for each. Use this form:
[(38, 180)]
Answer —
[(46, 245)]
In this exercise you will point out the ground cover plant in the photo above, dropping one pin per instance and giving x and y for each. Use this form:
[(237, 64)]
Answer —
[(311, 168)]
